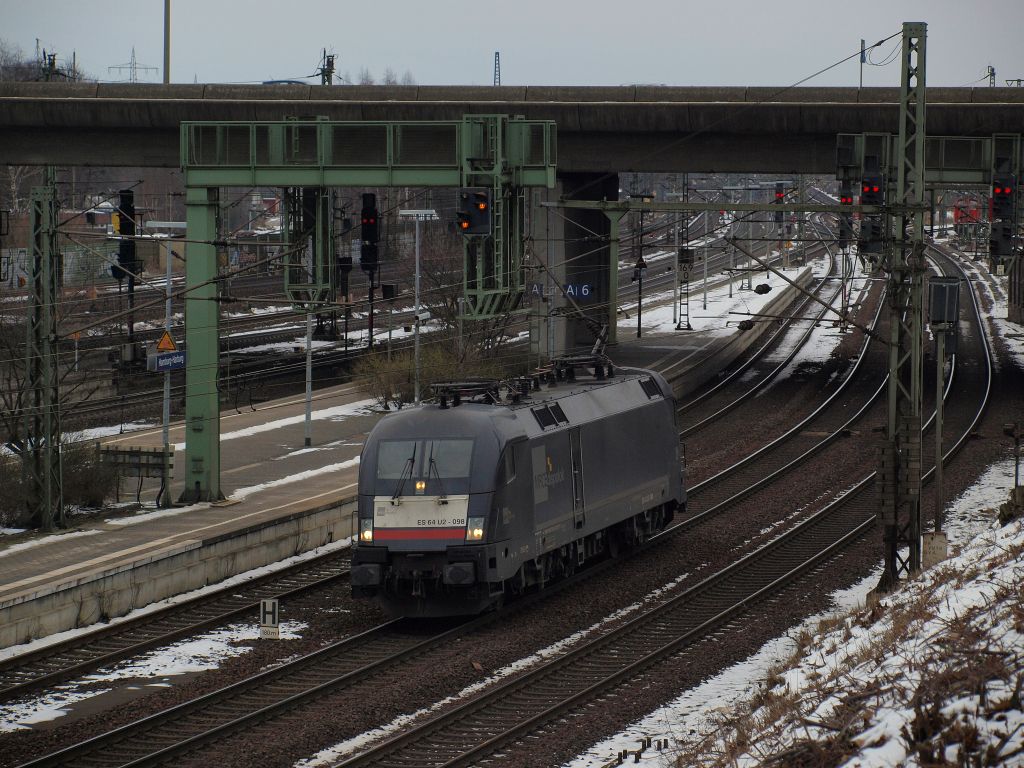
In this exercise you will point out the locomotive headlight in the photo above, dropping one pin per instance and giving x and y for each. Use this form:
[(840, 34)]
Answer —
[(475, 529), (421, 486), (366, 530)]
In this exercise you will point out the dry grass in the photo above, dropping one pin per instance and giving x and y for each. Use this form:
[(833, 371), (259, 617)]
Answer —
[(957, 681)]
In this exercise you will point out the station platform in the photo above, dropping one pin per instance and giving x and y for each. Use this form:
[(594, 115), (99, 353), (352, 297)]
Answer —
[(284, 498)]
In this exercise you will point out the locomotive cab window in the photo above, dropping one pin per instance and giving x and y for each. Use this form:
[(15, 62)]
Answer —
[(428, 458)]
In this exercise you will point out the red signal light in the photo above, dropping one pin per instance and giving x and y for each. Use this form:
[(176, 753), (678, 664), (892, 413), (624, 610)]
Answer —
[(481, 206), (464, 224)]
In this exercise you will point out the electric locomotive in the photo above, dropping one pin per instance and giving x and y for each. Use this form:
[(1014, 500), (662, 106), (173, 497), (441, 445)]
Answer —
[(492, 490)]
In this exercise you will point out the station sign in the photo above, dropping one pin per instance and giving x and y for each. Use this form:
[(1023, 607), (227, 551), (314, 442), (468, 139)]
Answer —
[(168, 361), (579, 292)]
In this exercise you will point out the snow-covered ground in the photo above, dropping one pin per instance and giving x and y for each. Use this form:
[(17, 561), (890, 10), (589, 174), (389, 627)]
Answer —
[(334, 413), (693, 720), (723, 312), (159, 666), (154, 669), (886, 666)]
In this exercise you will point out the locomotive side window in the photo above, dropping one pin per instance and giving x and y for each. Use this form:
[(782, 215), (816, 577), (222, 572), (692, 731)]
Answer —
[(549, 415), (544, 417), (444, 459), (558, 413), (651, 388), (508, 466)]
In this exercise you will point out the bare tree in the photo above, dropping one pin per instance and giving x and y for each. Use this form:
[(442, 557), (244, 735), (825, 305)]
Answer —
[(18, 180), (441, 284), (407, 78), (365, 76), (15, 65), (389, 77)]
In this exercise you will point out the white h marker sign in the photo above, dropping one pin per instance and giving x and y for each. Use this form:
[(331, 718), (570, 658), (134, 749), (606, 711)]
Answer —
[(270, 628)]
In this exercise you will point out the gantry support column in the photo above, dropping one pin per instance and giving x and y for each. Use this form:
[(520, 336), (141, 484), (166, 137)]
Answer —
[(547, 233), (591, 255), (900, 472), (202, 342)]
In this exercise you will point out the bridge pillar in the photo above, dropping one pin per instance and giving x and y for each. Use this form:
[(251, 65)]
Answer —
[(202, 347), (588, 255)]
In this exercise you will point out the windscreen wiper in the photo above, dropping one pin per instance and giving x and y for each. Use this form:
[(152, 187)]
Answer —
[(432, 467), (406, 474)]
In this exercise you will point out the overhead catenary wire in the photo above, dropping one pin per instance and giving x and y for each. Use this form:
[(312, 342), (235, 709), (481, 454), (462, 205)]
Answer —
[(744, 107)]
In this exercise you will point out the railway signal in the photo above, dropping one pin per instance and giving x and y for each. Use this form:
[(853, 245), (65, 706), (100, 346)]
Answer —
[(872, 190), (845, 221), (369, 219), (1004, 197), (780, 196), (870, 241), (124, 225), (474, 211), (369, 234), (1000, 241)]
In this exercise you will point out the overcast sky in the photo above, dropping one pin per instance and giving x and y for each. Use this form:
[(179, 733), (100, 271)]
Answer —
[(542, 42)]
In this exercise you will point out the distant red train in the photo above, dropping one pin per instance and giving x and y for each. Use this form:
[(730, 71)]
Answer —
[(967, 211)]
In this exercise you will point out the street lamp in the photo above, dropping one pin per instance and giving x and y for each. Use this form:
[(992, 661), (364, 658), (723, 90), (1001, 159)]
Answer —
[(418, 215), (641, 265)]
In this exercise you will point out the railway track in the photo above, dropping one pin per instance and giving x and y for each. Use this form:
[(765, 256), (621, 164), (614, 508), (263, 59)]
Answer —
[(237, 334), (88, 655), (24, 674), (824, 527), (726, 395), (253, 700), (39, 669), (509, 711), (533, 703)]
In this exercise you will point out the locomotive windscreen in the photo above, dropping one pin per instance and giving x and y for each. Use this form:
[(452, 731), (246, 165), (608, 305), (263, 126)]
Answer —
[(446, 459)]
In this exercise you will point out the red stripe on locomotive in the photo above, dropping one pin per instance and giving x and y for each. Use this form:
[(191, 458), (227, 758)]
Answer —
[(396, 534)]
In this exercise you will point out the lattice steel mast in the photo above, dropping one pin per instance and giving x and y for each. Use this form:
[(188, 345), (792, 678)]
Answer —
[(41, 456), (900, 471)]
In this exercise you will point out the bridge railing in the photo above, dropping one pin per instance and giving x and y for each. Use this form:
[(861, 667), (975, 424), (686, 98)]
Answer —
[(324, 153)]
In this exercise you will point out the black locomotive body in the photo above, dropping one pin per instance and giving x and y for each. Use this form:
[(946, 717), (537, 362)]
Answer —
[(462, 503)]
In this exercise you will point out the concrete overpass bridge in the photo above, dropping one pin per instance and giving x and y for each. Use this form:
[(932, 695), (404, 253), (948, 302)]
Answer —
[(600, 129)]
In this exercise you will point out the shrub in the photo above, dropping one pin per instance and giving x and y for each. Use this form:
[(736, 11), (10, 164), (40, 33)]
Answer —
[(88, 481), (392, 381), (13, 509)]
